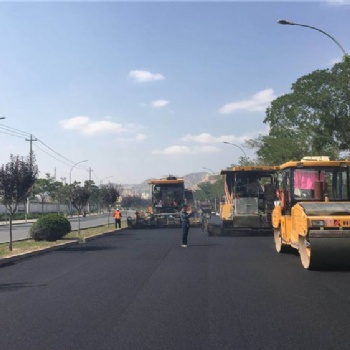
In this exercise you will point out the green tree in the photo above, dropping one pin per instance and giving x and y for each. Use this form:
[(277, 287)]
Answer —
[(213, 191), (109, 196), (135, 202), (17, 177), (63, 194), (313, 119), (45, 189), (79, 198), (94, 199)]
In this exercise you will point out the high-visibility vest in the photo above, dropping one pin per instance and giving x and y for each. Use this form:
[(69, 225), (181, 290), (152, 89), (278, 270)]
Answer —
[(117, 214)]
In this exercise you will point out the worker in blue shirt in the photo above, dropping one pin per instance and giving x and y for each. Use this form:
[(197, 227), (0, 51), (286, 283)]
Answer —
[(185, 224)]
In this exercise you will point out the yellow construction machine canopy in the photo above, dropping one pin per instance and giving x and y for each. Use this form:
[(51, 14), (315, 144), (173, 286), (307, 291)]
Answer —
[(250, 168), (165, 182), (315, 163)]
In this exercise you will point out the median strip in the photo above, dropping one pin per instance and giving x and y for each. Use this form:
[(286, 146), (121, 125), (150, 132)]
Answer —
[(27, 248)]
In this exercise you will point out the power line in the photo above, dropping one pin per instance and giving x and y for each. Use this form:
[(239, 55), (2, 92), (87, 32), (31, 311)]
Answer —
[(23, 135), (50, 155), (52, 150), (7, 133), (15, 131)]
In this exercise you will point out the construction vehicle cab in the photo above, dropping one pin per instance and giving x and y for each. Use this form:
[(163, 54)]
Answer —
[(312, 213), (249, 198), (168, 196)]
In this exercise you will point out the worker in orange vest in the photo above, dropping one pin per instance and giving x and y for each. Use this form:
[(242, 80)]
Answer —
[(118, 218)]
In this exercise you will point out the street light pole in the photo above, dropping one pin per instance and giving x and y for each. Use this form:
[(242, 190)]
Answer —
[(285, 22), (70, 173), (232, 144), (70, 182), (108, 177), (209, 170), (345, 55)]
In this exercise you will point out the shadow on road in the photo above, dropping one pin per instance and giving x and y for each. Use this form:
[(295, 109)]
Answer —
[(86, 248), (202, 245), (12, 287), (242, 233)]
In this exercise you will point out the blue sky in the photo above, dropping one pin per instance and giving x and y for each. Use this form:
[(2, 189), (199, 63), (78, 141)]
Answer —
[(145, 89)]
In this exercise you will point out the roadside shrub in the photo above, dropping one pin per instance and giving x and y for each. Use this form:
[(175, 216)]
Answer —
[(50, 227)]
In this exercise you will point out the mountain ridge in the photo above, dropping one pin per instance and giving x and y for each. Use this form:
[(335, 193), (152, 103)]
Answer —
[(191, 182)]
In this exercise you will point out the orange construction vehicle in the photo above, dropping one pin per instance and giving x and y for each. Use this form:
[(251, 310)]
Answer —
[(249, 200), (312, 213)]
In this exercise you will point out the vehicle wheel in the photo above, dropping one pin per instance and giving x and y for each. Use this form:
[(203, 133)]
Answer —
[(280, 246), (305, 251)]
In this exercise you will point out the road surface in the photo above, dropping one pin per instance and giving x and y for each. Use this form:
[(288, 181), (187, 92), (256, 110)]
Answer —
[(139, 290)]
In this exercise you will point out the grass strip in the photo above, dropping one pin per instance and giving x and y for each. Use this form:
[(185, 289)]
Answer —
[(29, 245)]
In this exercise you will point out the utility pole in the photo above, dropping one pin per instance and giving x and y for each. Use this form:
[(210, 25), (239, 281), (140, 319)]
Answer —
[(90, 188), (31, 140)]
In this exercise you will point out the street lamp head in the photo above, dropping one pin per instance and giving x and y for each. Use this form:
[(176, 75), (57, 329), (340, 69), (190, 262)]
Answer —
[(71, 169), (283, 21)]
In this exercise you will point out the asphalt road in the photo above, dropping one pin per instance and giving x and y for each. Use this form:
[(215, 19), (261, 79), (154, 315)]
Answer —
[(139, 290)]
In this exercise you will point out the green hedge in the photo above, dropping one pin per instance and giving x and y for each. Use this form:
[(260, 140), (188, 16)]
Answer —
[(50, 227)]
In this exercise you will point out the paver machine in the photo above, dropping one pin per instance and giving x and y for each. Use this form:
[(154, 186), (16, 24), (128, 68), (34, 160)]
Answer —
[(168, 196), (250, 192), (312, 213)]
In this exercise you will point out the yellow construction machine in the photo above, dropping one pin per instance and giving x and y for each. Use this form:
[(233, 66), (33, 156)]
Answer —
[(312, 211), (168, 196), (250, 192)]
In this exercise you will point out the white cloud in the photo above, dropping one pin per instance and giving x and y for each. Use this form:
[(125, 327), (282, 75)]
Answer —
[(88, 127), (206, 143), (137, 138), (142, 76), (338, 2), (201, 138), (179, 150), (336, 60), (257, 103), (176, 149), (206, 149), (140, 137), (210, 139), (159, 103)]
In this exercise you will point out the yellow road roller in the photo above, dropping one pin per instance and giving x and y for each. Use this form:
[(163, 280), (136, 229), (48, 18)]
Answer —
[(312, 211)]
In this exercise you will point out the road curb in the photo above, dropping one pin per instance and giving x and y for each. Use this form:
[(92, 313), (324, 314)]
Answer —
[(87, 239), (14, 258)]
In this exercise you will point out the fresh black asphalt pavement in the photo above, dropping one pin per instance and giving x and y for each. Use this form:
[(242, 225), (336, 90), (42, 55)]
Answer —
[(139, 290)]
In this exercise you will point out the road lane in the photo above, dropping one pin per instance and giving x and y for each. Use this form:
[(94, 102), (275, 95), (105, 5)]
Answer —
[(138, 289), (20, 229)]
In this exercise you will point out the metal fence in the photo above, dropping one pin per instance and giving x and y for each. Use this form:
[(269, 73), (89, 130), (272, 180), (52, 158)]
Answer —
[(35, 207)]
